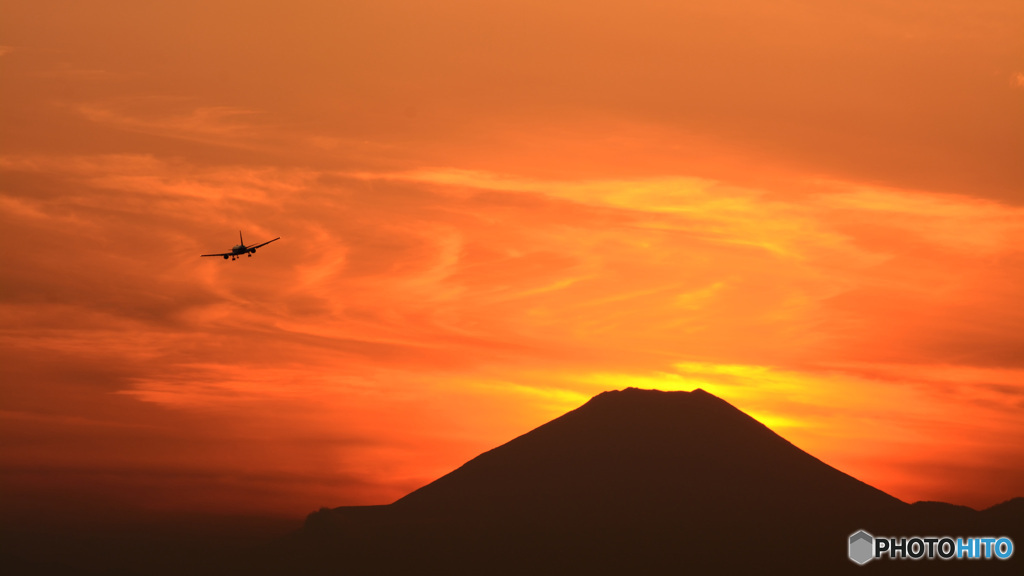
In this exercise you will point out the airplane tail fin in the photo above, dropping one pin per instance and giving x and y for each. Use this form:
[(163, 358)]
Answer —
[(240, 242)]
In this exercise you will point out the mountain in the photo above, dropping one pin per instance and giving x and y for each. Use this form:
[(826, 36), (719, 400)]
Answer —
[(634, 482), (637, 451)]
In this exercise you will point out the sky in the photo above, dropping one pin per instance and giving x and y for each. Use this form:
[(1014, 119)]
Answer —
[(490, 212)]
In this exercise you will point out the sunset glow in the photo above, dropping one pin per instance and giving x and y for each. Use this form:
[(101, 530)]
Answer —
[(489, 213)]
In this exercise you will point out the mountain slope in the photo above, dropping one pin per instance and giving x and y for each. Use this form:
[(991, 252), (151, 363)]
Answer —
[(645, 450)]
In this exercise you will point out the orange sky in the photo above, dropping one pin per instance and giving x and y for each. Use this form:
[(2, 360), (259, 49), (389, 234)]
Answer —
[(490, 212)]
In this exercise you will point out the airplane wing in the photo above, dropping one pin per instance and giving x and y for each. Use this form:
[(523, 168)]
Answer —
[(224, 254), (264, 244)]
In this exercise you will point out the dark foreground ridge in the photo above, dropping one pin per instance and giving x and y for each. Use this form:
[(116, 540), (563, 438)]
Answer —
[(635, 482)]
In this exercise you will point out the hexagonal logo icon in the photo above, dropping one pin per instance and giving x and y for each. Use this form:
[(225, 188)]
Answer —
[(861, 544)]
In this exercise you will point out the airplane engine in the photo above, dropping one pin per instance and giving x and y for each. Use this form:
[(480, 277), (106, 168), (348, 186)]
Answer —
[(225, 256)]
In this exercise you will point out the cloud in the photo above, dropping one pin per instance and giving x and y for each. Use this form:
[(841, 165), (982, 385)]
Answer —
[(214, 124), (445, 254), (958, 223), (400, 303)]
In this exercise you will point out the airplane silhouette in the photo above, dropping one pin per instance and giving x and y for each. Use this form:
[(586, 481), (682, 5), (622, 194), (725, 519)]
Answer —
[(237, 251)]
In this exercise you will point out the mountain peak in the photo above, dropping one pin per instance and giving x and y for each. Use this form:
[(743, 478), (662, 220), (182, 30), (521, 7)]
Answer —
[(652, 397), (634, 391)]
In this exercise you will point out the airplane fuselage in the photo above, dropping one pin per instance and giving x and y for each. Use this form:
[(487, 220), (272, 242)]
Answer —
[(239, 250)]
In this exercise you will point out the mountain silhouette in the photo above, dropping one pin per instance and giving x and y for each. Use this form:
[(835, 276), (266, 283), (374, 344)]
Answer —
[(637, 451), (634, 482)]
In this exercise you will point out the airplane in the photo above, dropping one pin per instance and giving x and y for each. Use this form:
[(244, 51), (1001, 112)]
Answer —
[(237, 251)]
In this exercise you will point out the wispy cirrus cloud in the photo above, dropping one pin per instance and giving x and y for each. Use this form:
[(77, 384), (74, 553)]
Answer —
[(389, 288), (221, 125)]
